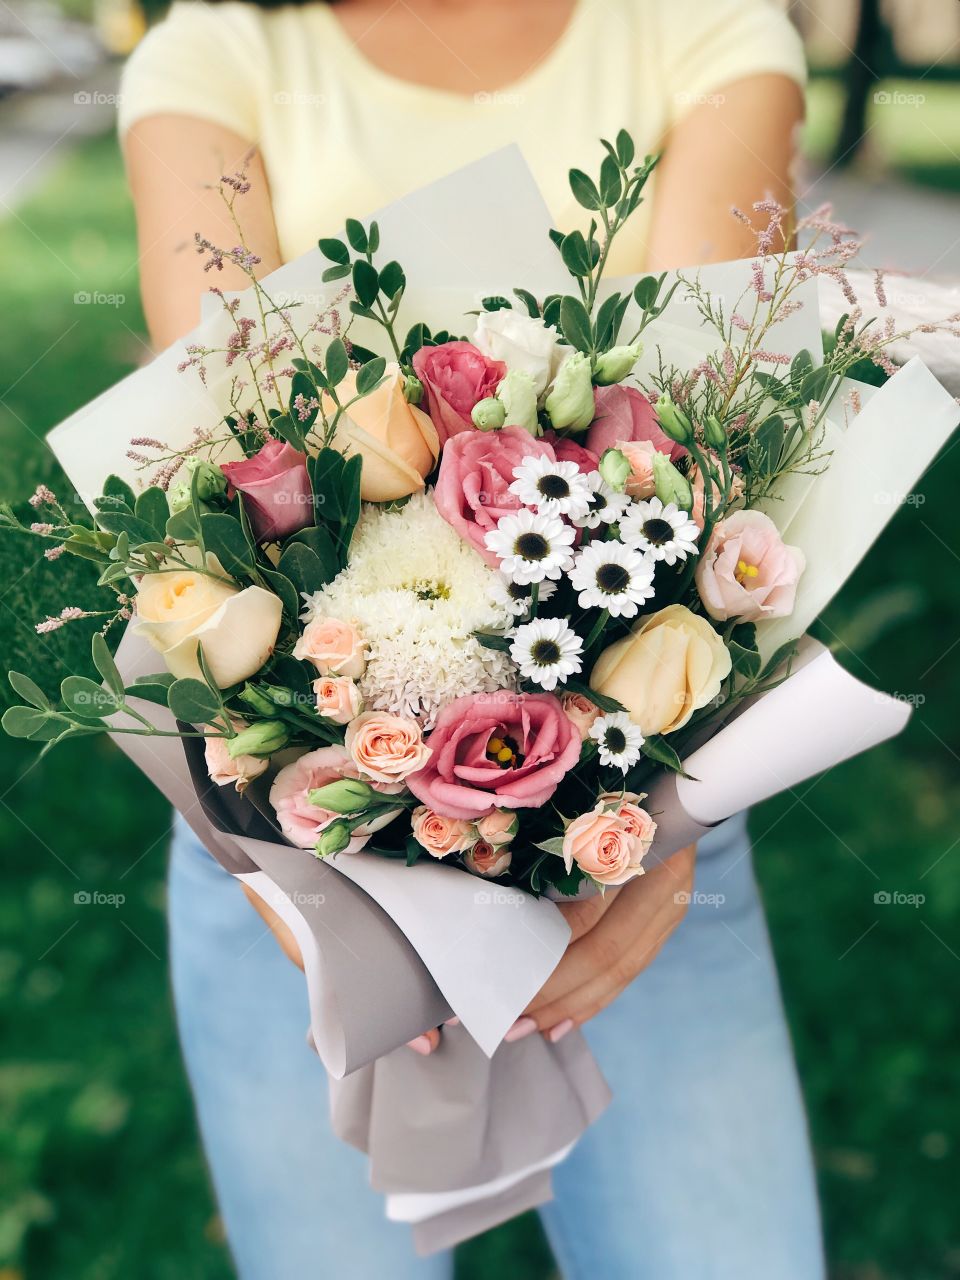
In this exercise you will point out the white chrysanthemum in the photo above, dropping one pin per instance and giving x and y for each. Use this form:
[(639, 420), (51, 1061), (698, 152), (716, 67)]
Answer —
[(606, 504), (531, 546), (515, 597), (547, 651), (417, 592), (554, 488), (664, 532), (619, 740), (610, 576)]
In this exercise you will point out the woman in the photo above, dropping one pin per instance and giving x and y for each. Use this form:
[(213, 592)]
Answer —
[(700, 1168)]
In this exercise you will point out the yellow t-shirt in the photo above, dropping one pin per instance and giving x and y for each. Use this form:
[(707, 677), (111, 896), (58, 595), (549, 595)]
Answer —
[(339, 137)]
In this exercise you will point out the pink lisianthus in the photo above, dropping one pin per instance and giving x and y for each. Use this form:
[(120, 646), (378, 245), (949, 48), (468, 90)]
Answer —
[(747, 571), (276, 490), (456, 376), (625, 414), (300, 821), (466, 777), (609, 843), (473, 487)]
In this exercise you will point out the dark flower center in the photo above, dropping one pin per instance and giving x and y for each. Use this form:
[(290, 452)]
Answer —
[(517, 591), (552, 486), (657, 531), (615, 740), (532, 546), (504, 752), (545, 653), (612, 579)]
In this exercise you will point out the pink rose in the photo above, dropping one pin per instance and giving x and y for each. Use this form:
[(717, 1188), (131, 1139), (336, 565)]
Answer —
[(300, 821), (223, 770), (466, 776), (639, 453), (385, 748), (567, 450), (747, 571), (276, 489), (456, 376), (486, 859), (623, 413), (440, 836), (581, 712), (335, 648), (473, 487), (338, 698), (498, 827), (609, 843)]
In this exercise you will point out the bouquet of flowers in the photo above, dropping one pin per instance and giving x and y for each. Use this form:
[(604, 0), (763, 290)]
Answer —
[(519, 596)]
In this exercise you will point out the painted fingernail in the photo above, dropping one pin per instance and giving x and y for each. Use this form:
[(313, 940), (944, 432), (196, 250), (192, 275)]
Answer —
[(560, 1030), (522, 1027), (421, 1045), (452, 1022)]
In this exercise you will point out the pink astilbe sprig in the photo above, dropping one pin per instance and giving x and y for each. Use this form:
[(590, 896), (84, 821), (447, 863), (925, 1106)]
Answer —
[(70, 613), (43, 497)]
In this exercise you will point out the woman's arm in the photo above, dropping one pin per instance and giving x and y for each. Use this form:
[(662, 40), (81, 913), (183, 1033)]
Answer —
[(173, 163)]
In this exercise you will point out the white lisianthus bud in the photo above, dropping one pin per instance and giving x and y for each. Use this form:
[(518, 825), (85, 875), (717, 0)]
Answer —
[(615, 469), (570, 404), (670, 485), (614, 365), (489, 414), (517, 393)]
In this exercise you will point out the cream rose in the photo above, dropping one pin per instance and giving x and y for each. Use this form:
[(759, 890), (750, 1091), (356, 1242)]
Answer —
[(386, 748), (338, 698), (335, 648), (397, 441), (521, 342), (671, 664), (237, 629), (440, 836)]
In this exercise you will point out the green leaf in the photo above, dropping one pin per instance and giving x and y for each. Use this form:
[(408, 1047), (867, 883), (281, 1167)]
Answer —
[(801, 364), (490, 640), (114, 487), (304, 569), (606, 326), (335, 250), (137, 530), (151, 688), (553, 845), (746, 661), (625, 149), (289, 429), (87, 698), (392, 280), (191, 701), (335, 273), (184, 526), (151, 507), (26, 689), (655, 748), (366, 282), (26, 722), (529, 301), (321, 544), (779, 656), (103, 661), (575, 323), (600, 700), (575, 255), (373, 238), (584, 190), (369, 375), (337, 362), (281, 586), (325, 470), (357, 236), (413, 849), (350, 501), (645, 292), (611, 183), (223, 535), (766, 445), (813, 384)]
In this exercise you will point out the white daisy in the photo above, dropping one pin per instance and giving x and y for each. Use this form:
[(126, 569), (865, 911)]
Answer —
[(664, 532), (619, 740), (610, 576), (606, 505), (554, 488), (531, 546), (546, 651), (514, 597)]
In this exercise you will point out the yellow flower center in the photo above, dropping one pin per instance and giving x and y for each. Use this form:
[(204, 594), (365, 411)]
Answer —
[(745, 570)]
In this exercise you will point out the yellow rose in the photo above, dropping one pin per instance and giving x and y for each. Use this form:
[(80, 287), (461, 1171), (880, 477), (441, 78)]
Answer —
[(671, 664), (238, 629), (397, 441)]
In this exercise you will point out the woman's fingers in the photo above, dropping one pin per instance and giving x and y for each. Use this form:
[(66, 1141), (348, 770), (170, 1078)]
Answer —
[(583, 913), (426, 1043)]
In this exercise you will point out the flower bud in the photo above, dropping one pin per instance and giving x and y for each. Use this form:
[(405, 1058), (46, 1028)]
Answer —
[(615, 469), (210, 479), (674, 423), (671, 485), (570, 403), (412, 389), (333, 839), (517, 393), (489, 414), (347, 795), (178, 497), (255, 699), (260, 739), (714, 434), (614, 365)]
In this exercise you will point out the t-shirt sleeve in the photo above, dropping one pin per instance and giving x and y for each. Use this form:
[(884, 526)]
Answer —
[(706, 46), (201, 61)]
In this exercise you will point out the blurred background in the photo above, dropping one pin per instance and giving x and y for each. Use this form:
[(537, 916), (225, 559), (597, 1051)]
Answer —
[(99, 1157)]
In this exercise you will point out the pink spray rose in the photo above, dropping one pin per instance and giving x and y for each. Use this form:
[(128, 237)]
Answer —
[(224, 769), (609, 842), (440, 836), (623, 413), (476, 471), (385, 748), (338, 698), (335, 648), (456, 376), (468, 774), (486, 859), (498, 827), (300, 821), (639, 453), (580, 711), (276, 489), (697, 485), (747, 571)]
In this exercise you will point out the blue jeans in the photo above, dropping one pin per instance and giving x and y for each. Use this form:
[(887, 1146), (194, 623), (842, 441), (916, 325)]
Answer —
[(699, 1170)]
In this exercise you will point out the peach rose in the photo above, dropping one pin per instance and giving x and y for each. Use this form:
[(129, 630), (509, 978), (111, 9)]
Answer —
[(581, 712), (397, 441), (639, 453), (697, 485), (747, 571), (335, 648), (498, 827), (385, 747), (223, 770), (486, 859), (440, 836), (671, 664), (338, 698), (609, 843)]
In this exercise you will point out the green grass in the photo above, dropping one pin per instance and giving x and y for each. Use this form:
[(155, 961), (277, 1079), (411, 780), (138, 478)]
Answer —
[(98, 1150)]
